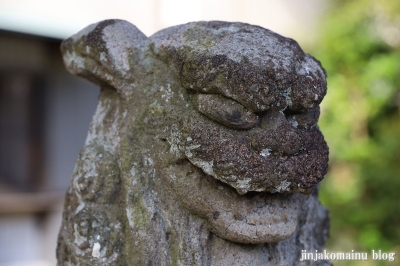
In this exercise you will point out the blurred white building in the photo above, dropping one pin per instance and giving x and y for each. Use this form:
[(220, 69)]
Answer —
[(45, 112)]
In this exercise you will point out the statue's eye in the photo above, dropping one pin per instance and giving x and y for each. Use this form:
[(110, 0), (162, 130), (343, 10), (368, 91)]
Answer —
[(225, 111)]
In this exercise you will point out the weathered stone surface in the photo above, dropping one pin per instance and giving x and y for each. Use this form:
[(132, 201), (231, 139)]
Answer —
[(204, 148), (225, 111)]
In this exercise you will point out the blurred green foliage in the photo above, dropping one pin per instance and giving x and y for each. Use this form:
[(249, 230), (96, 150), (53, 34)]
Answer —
[(359, 46)]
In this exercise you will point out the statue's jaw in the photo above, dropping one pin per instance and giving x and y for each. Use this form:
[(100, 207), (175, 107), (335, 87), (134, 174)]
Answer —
[(256, 228), (253, 218)]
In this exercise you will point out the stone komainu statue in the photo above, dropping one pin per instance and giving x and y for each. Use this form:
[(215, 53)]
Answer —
[(204, 148)]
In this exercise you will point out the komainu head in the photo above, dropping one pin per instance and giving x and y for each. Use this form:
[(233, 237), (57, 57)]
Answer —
[(225, 114)]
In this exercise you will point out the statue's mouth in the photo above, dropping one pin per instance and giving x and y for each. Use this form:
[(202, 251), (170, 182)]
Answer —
[(243, 178), (255, 217)]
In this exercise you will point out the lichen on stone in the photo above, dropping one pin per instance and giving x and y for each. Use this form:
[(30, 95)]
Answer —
[(205, 142)]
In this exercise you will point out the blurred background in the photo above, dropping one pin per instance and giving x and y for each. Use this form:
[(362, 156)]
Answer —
[(45, 112)]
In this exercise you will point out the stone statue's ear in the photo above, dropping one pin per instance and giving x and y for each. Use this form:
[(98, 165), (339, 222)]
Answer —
[(107, 53)]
